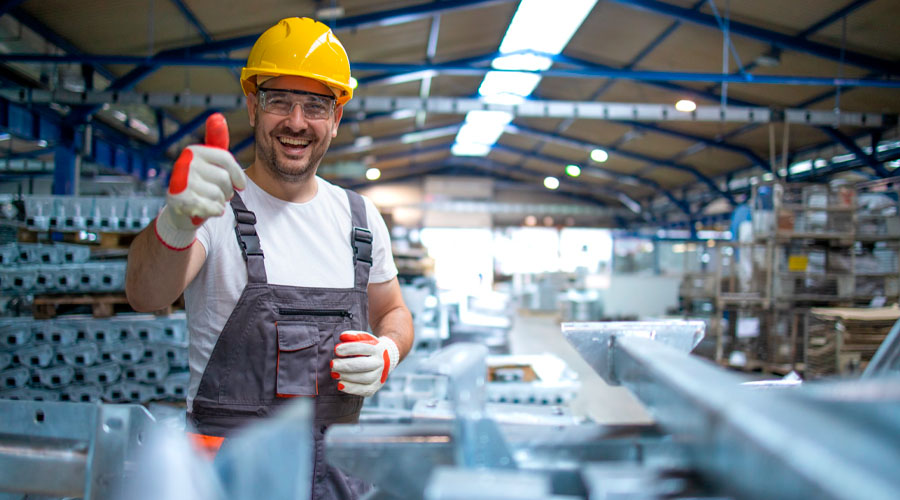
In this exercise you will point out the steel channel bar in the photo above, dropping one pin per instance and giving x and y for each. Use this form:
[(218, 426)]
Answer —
[(50, 467), (761, 444)]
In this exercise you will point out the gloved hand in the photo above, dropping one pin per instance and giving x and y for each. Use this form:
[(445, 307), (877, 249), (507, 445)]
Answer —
[(203, 180), (363, 362)]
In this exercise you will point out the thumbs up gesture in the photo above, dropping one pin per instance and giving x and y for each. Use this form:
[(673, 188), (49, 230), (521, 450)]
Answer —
[(203, 180)]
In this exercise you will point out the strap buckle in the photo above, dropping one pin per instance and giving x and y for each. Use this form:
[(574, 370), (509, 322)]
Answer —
[(362, 245)]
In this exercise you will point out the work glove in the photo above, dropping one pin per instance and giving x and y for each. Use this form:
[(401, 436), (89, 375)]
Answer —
[(203, 180), (363, 362)]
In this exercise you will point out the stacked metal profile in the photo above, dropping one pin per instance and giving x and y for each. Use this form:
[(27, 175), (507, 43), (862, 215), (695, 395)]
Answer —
[(125, 359), (88, 213), (29, 268)]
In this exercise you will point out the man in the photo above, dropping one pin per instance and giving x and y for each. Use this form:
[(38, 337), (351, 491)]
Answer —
[(282, 282)]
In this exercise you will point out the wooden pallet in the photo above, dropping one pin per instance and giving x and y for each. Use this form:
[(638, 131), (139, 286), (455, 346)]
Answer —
[(765, 368), (102, 305), (103, 239)]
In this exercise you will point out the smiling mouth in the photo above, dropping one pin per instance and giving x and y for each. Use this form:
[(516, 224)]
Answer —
[(293, 143)]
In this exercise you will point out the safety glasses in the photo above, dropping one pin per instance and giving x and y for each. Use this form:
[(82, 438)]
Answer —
[(282, 101)]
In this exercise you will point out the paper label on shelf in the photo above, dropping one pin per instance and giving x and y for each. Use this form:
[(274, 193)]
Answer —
[(747, 327), (798, 263)]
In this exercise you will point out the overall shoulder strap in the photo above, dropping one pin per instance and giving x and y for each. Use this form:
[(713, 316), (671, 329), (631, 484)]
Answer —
[(360, 240), (248, 240)]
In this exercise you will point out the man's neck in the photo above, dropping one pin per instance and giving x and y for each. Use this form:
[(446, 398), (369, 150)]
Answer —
[(294, 192)]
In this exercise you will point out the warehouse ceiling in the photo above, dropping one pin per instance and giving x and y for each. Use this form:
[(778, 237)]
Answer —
[(673, 166)]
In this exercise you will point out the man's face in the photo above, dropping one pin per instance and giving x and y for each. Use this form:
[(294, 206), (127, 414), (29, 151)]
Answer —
[(291, 147)]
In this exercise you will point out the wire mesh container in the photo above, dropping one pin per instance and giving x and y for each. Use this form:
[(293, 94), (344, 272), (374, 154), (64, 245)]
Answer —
[(789, 210)]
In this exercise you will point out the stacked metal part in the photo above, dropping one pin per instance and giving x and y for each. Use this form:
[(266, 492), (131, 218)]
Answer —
[(29, 268), (126, 359), (79, 213)]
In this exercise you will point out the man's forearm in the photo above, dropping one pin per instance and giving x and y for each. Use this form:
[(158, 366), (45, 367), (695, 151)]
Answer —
[(397, 325), (157, 275)]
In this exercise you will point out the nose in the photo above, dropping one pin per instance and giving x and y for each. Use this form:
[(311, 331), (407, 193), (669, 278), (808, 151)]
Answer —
[(296, 118)]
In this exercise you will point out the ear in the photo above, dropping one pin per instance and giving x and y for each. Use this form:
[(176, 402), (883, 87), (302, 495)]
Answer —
[(252, 104), (338, 113)]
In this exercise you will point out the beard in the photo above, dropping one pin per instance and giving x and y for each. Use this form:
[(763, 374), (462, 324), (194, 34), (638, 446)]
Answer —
[(289, 168)]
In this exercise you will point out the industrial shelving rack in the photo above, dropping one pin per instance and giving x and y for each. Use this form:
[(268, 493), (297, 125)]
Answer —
[(799, 255)]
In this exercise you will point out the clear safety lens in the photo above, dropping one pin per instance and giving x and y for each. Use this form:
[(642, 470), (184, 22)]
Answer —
[(281, 102)]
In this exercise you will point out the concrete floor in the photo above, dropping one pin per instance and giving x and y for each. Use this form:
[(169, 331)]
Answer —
[(539, 333)]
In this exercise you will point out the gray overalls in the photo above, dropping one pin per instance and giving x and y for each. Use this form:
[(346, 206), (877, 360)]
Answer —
[(278, 343)]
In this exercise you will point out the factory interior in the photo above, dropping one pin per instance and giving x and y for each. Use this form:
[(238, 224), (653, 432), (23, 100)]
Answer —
[(650, 249)]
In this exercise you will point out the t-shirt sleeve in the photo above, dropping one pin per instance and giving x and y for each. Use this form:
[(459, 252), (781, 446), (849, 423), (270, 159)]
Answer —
[(204, 236), (383, 266)]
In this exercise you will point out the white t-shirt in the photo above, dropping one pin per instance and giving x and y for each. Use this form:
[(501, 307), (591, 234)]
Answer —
[(304, 244)]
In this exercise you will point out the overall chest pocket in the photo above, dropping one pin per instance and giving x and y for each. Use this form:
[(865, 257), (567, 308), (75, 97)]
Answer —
[(297, 359)]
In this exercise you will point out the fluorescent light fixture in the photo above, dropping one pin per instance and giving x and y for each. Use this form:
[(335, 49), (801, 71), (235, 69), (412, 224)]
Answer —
[(489, 118), (426, 135), (138, 125), (820, 163), (686, 105), (402, 114), (522, 62), (545, 26), (843, 158), (551, 182), (508, 87), (483, 127), (539, 30), (4, 137), (573, 170), (629, 203), (363, 141), (373, 174), (803, 166), (599, 155), (353, 83), (42, 143), (470, 149), (768, 176)]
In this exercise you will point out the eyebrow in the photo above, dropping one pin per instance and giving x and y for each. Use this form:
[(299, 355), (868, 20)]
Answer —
[(298, 92)]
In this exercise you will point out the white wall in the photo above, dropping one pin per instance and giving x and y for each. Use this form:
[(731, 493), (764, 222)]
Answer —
[(640, 294)]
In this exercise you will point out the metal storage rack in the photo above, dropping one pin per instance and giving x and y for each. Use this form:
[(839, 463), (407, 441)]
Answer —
[(877, 249), (802, 255)]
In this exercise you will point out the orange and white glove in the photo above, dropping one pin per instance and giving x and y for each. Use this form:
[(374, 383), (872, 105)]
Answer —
[(203, 180), (363, 362)]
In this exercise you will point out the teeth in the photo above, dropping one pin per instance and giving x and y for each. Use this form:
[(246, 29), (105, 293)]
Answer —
[(293, 142)]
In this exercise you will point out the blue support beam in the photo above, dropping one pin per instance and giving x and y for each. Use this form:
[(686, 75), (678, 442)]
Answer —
[(632, 155), (9, 5), (243, 144), (851, 146), (781, 40), (716, 143), (64, 174), (834, 16), (393, 70), (192, 18), (382, 18), (605, 172), (195, 123), (509, 171), (465, 166)]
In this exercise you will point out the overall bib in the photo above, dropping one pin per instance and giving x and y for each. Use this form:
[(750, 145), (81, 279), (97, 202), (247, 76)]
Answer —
[(278, 344)]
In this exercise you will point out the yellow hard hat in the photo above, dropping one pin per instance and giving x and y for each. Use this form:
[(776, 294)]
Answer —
[(300, 47)]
